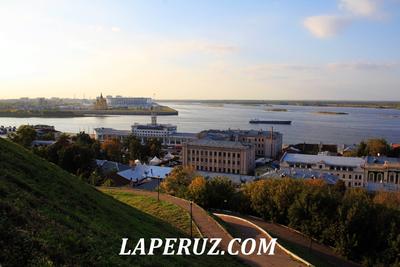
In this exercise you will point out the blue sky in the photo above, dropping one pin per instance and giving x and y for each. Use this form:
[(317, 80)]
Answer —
[(331, 49)]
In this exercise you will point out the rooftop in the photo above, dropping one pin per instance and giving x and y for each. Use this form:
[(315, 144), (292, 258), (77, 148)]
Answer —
[(153, 126), (112, 131), (109, 166), (301, 174), (328, 160), (252, 132), (235, 178), (145, 171), (219, 143), (187, 135), (382, 160)]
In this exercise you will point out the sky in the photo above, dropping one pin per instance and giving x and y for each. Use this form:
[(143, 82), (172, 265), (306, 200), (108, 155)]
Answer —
[(204, 49)]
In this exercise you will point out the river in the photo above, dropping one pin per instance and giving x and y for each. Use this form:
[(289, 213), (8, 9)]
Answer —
[(307, 124)]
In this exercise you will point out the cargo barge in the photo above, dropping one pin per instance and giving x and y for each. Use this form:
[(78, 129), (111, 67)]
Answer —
[(257, 121)]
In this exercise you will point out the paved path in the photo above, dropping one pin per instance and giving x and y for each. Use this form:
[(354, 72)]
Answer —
[(242, 229), (210, 228), (323, 252)]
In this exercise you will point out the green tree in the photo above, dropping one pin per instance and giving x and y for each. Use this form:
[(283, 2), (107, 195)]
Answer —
[(355, 235), (24, 135), (83, 139), (313, 212), (133, 146), (220, 191), (178, 181), (197, 191), (153, 147), (76, 159)]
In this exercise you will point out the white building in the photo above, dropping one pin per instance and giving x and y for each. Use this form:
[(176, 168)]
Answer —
[(102, 134), (129, 102), (348, 169), (382, 173), (166, 133)]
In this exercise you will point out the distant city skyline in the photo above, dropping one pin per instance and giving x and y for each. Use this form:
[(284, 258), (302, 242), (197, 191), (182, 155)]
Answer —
[(262, 50)]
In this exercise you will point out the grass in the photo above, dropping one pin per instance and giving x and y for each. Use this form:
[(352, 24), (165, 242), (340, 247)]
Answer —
[(163, 210), (49, 217), (303, 252)]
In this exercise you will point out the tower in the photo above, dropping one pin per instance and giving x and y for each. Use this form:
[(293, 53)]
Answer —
[(153, 116)]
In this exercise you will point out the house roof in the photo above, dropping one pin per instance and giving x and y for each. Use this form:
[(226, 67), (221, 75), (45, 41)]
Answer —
[(302, 174), (142, 171), (328, 160), (219, 143), (108, 166), (382, 160), (111, 131), (235, 178)]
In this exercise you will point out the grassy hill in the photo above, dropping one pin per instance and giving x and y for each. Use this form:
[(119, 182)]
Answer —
[(51, 218)]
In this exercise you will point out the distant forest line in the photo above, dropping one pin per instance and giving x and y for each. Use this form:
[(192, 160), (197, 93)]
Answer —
[(318, 103)]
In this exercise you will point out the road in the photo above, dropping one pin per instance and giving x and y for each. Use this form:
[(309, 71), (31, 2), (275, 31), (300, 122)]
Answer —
[(211, 229)]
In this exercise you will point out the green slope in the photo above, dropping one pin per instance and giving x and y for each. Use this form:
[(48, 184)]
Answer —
[(50, 218)]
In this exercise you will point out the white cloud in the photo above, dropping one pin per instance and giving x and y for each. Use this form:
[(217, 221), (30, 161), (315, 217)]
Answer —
[(325, 26), (364, 8), (115, 29), (361, 66)]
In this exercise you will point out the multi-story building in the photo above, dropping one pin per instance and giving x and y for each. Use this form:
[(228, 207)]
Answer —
[(102, 134), (382, 173), (129, 102), (372, 173), (219, 156), (166, 133), (348, 169), (266, 143)]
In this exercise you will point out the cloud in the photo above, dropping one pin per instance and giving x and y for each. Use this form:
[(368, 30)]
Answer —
[(325, 26), (364, 8), (190, 46), (363, 66), (115, 29), (304, 71)]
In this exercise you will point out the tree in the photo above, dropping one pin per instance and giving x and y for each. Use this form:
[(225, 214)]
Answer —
[(76, 159), (83, 139), (377, 147), (220, 191), (314, 211), (53, 151), (178, 180), (153, 147), (134, 147), (355, 235), (112, 149), (24, 135), (197, 191), (389, 199), (373, 147)]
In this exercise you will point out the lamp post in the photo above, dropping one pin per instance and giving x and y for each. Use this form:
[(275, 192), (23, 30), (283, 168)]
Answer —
[(191, 219), (158, 189)]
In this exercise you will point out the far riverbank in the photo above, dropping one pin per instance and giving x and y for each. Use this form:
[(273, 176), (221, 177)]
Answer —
[(160, 111)]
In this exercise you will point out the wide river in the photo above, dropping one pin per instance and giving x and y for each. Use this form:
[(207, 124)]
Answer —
[(307, 124)]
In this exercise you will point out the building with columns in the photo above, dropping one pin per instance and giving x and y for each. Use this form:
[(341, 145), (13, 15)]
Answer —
[(382, 173), (348, 169), (371, 173)]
